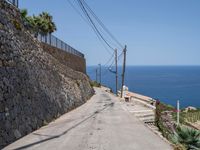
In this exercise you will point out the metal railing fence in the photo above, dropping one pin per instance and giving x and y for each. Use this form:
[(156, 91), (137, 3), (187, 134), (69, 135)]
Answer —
[(54, 41), (14, 2), (51, 39)]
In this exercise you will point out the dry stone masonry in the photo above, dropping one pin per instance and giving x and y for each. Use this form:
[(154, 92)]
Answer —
[(73, 61), (35, 87)]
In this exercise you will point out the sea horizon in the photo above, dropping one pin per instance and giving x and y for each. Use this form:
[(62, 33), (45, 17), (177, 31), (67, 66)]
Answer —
[(149, 66), (165, 83)]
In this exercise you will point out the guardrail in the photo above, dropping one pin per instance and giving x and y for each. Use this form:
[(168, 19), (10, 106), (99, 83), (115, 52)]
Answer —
[(14, 2), (54, 41)]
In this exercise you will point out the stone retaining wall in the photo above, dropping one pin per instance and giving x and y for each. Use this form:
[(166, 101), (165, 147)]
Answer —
[(75, 62), (35, 87)]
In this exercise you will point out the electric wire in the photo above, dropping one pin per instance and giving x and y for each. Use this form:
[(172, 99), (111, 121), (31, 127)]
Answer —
[(72, 5), (120, 56), (92, 22), (90, 72), (88, 22), (112, 56), (85, 8), (101, 24)]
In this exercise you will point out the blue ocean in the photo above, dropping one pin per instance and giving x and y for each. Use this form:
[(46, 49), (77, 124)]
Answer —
[(166, 83)]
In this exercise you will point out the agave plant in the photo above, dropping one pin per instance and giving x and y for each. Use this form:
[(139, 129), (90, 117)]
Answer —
[(188, 137)]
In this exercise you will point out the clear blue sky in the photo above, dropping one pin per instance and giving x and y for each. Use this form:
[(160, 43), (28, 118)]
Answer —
[(157, 32)]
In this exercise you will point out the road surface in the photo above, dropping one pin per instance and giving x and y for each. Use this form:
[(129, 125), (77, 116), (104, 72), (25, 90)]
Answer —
[(99, 124)]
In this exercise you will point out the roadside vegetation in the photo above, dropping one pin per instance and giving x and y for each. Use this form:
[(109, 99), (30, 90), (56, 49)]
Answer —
[(182, 136), (95, 84), (191, 116), (188, 137), (42, 24)]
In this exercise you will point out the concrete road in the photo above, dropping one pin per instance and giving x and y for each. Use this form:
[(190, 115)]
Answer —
[(100, 124)]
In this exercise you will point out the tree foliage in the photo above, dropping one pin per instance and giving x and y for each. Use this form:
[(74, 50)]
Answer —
[(42, 24)]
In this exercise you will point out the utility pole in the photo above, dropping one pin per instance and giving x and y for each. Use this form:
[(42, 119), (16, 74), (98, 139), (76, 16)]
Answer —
[(123, 71), (116, 71), (178, 109), (100, 73), (96, 75)]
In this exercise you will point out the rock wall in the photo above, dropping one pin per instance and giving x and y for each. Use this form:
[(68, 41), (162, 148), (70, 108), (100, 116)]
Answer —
[(75, 62), (35, 87)]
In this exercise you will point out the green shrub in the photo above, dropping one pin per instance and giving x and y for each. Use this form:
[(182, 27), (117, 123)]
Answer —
[(192, 116), (1, 26), (181, 117), (95, 84), (2, 5), (179, 147), (44, 123), (17, 25)]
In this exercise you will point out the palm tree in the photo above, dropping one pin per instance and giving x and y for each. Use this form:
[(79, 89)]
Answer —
[(47, 26), (188, 137), (24, 13), (42, 24), (25, 18)]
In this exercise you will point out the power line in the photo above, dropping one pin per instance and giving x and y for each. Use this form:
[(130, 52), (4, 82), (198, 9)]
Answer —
[(101, 24), (110, 67), (71, 4), (92, 22), (88, 22), (92, 19), (120, 55), (85, 8), (98, 36), (112, 56)]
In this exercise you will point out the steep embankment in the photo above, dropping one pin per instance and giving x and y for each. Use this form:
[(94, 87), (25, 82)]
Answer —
[(35, 87)]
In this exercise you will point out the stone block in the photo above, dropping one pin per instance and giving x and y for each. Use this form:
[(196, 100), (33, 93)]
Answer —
[(1, 63), (17, 134), (2, 107)]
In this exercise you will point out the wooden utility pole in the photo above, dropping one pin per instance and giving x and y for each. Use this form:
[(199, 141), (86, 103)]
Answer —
[(123, 71), (100, 73), (96, 75), (116, 71)]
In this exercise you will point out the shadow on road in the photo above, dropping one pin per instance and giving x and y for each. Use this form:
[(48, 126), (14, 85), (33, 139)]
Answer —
[(65, 132)]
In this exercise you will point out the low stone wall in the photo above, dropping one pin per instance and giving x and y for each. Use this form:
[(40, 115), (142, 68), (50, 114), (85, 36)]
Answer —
[(75, 62), (35, 87)]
